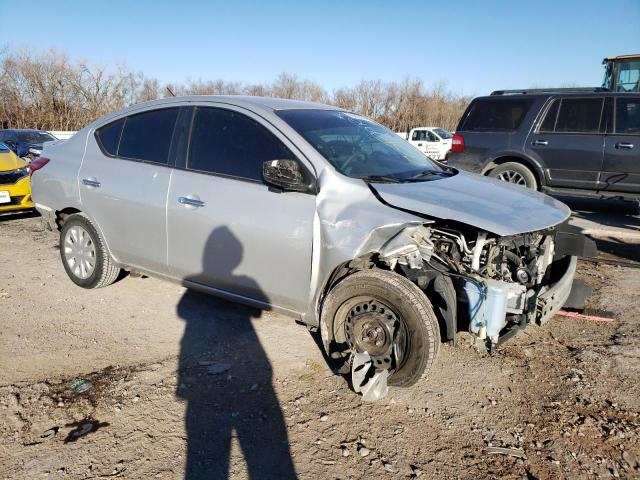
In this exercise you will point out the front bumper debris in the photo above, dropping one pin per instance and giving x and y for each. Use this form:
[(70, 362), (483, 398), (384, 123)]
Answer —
[(553, 299)]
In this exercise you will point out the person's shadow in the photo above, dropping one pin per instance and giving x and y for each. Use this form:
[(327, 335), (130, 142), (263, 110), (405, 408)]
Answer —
[(225, 377)]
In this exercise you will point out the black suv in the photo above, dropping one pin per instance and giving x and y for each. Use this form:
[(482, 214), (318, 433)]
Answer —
[(579, 142)]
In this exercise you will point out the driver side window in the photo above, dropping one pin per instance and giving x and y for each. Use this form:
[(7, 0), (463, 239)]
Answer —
[(229, 143)]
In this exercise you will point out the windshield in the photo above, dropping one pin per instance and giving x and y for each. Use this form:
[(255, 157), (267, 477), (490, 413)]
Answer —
[(442, 133), (35, 137), (358, 147)]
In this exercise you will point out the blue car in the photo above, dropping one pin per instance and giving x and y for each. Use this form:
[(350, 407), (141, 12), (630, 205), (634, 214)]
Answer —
[(26, 143)]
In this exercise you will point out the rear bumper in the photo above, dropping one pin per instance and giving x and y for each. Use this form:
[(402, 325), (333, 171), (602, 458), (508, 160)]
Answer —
[(48, 216), (20, 193), (465, 161), (553, 299)]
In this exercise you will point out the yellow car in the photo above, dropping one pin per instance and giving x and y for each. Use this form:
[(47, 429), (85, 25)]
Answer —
[(15, 182)]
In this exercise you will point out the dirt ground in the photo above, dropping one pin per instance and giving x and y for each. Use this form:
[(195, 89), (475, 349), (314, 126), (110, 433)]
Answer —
[(187, 386)]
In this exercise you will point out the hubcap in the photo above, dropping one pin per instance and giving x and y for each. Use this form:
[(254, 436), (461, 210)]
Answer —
[(373, 327), (512, 177), (79, 252)]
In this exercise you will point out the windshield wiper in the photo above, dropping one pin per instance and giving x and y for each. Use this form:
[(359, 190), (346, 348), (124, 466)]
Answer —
[(380, 178), (429, 173)]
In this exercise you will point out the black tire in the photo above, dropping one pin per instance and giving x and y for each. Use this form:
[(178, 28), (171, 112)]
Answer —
[(408, 302), (516, 168), (105, 272)]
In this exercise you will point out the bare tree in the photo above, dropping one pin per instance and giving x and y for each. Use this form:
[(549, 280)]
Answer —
[(48, 91)]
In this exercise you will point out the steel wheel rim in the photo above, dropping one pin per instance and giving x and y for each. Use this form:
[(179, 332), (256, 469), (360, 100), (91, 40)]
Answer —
[(399, 341), (512, 176), (79, 252)]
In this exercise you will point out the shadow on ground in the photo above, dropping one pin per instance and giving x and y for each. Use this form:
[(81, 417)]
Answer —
[(226, 379)]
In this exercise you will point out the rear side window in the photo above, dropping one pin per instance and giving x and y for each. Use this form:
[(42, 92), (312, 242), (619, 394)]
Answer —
[(549, 122), (230, 143), (579, 115), (109, 136), (496, 115), (628, 116), (147, 136)]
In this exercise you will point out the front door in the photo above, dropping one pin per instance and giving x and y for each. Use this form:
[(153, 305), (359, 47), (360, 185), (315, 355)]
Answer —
[(569, 142), (621, 167), (226, 228)]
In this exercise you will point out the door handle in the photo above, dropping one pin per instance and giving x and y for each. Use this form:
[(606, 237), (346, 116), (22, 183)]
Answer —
[(90, 182), (191, 202), (540, 142), (419, 144), (624, 145)]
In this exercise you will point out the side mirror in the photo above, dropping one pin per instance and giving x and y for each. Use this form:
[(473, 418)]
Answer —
[(285, 174)]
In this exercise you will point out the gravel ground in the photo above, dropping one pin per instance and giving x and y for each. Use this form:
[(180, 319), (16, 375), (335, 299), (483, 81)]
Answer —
[(187, 386)]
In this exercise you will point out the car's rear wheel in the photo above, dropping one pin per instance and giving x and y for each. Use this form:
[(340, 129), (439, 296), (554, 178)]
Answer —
[(387, 316), (515, 173), (84, 254)]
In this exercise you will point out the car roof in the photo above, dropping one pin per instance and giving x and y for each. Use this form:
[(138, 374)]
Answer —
[(268, 103), (510, 94)]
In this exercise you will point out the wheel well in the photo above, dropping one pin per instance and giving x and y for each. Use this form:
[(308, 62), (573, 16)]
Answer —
[(62, 215), (370, 261), (501, 160)]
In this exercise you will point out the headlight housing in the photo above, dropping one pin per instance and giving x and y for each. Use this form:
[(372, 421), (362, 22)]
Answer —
[(20, 172)]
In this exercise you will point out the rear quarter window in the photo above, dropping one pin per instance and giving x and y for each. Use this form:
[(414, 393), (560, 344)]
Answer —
[(147, 136), (496, 115), (109, 136)]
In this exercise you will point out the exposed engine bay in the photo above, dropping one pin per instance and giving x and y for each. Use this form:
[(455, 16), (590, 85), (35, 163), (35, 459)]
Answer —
[(496, 284), (501, 279)]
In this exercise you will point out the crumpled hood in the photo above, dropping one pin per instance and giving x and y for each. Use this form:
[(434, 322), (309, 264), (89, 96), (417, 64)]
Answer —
[(492, 205)]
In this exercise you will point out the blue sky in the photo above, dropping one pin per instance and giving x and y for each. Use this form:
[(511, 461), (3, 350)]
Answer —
[(473, 46)]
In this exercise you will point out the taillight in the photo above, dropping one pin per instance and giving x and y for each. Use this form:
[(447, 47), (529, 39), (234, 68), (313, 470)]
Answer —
[(37, 164), (457, 144)]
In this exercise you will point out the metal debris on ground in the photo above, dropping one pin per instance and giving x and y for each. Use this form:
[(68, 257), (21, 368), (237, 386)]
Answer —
[(80, 385), (366, 379), (512, 452), (52, 432), (582, 316)]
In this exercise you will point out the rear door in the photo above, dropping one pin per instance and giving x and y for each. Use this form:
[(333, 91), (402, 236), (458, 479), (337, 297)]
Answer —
[(124, 180), (226, 228), (621, 168), (569, 142)]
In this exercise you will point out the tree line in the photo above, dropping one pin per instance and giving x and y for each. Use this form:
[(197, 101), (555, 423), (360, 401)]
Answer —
[(49, 91)]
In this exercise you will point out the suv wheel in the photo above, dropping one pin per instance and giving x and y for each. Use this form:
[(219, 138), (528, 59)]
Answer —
[(387, 316), (84, 255), (515, 173)]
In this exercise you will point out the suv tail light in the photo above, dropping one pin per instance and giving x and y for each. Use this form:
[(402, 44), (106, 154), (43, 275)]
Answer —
[(37, 164), (457, 144)]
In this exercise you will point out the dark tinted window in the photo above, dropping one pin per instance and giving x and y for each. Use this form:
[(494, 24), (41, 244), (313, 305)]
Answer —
[(109, 136), (229, 143), (628, 116), (579, 115), (549, 122), (147, 136), (495, 115)]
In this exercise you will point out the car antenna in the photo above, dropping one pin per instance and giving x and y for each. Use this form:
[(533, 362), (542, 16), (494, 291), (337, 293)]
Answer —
[(170, 92)]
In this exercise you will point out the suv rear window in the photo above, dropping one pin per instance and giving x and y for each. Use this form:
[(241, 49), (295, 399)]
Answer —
[(579, 115), (496, 115)]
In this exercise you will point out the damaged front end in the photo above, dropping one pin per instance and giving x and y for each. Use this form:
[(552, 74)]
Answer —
[(494, 284)]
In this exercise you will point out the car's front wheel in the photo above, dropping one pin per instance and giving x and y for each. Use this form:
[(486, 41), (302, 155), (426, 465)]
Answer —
[(84, 254), (387, 316), (515, 173)]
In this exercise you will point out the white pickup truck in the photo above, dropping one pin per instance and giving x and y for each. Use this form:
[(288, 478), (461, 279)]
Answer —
[(435, 142)]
